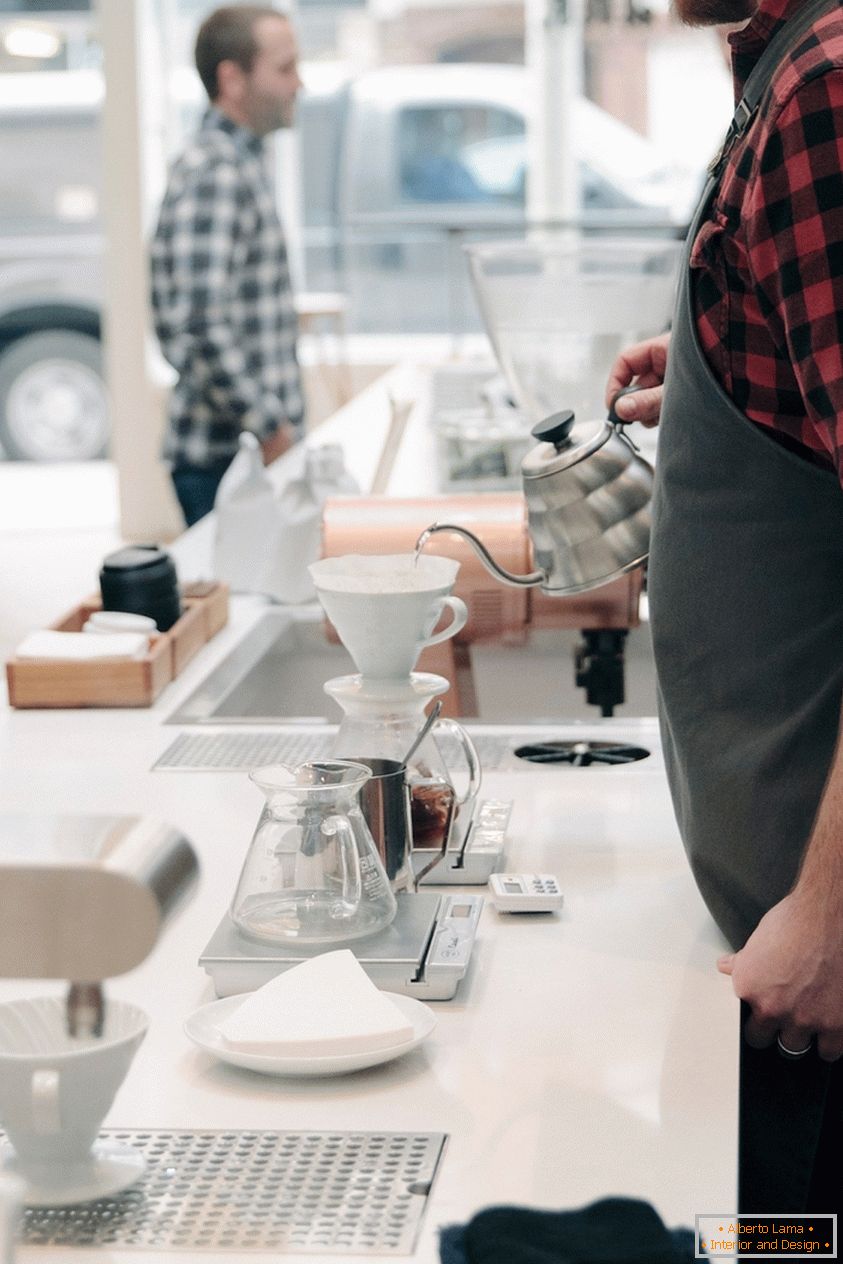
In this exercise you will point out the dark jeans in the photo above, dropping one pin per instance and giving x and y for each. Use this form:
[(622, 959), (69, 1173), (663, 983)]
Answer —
[(791, 1133), (196, 487)]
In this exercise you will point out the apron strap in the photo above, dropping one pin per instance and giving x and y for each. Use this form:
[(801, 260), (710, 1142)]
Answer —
[(782, 43)]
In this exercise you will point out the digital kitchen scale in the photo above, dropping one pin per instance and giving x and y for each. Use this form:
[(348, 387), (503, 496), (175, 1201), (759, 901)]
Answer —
[(424, 952), (475, 858)]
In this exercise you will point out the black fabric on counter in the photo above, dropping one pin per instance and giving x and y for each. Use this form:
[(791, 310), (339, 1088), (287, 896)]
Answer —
[(611, 1231)]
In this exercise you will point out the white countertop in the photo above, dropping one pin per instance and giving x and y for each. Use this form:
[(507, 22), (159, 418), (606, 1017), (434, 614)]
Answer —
[(585, 1054)]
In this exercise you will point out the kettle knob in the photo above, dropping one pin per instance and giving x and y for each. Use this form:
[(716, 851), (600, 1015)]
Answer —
[(555, 429)]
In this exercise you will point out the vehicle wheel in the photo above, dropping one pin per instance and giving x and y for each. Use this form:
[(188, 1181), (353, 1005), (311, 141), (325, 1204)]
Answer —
[(53, 404)]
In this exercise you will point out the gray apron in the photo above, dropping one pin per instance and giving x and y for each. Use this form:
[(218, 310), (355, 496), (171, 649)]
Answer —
[(746, 600)]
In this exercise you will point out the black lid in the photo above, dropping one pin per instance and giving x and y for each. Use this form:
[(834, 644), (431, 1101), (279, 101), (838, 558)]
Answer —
[(555, 429), (135, 557)]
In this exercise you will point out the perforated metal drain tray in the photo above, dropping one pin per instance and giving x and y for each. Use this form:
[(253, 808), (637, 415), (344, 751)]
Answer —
[(326, 1193), (228, 752)]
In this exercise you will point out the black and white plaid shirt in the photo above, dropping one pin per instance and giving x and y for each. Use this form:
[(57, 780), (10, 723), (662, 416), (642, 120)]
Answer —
[(221, 298)]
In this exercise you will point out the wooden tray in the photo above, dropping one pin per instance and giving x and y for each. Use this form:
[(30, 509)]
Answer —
[(119, 682)]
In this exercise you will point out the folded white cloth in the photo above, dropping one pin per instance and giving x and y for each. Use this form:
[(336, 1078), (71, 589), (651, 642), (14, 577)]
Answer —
[(81, 646), (119, 621), (325, 1006)]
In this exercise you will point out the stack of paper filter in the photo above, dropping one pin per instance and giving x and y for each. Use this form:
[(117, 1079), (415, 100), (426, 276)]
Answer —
[(325, 1006)]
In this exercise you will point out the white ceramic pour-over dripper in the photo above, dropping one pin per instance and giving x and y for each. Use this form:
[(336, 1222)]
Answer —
[(385, 608), (55, 1091)]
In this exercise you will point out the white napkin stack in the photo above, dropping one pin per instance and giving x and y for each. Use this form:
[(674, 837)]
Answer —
[(323, 1007), (82, 646)]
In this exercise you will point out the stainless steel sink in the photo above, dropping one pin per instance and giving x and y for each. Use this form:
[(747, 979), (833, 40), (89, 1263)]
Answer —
[(276, 672)]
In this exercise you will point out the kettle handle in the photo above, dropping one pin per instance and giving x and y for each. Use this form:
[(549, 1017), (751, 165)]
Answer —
[(625, 390), (617, 421)]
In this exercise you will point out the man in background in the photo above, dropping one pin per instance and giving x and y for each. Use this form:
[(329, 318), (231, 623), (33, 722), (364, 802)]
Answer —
[(221, 296)]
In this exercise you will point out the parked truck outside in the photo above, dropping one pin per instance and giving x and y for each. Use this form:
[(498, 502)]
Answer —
[(399, 167)]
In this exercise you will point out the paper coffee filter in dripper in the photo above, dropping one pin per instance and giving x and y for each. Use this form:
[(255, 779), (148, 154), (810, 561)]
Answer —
[(385, 607), (377, 574)]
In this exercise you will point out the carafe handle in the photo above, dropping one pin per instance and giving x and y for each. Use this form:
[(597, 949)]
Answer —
[(471, 757), (352, 879)]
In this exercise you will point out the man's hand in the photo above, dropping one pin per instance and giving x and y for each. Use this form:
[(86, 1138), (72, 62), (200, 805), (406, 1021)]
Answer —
[(645, 364), (278, 443), (790, 971)]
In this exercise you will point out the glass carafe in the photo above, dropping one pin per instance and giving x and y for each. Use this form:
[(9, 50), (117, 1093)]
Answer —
[(312, 874), (381, 721)]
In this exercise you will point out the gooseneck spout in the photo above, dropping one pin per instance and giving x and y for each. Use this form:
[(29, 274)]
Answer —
[(532, 580)]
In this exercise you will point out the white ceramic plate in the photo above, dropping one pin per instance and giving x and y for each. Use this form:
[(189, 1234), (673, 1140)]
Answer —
[(203, 1029)]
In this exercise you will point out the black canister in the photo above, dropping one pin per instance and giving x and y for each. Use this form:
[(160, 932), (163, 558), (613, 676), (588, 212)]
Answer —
[(141, 579)]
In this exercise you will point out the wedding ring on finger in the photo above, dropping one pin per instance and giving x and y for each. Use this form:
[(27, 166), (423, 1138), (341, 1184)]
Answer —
[(792, 1055)]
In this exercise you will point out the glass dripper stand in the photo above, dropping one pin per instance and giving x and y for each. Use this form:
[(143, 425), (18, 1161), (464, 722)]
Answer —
[(381, 720), (312, 873)]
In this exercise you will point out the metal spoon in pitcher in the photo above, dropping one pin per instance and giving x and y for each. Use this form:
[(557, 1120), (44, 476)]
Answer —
[(423, 731), (419, 738)]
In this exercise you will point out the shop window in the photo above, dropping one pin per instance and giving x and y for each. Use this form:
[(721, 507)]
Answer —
[(461, 153)]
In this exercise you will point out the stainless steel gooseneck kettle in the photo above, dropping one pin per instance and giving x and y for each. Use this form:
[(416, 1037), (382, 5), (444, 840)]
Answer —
[(588, 496)]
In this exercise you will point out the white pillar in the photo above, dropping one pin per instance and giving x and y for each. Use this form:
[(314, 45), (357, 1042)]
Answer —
[(147, 506), (288, 184), (554, 56), (288, 192)]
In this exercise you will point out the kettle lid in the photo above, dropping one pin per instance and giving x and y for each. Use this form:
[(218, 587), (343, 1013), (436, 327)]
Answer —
[(563, 442)]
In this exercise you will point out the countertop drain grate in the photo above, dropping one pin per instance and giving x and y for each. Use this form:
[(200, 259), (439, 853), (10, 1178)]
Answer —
[(327, 1193), (229, 752)]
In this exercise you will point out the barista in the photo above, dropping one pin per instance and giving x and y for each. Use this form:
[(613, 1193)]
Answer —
[(746, 585)]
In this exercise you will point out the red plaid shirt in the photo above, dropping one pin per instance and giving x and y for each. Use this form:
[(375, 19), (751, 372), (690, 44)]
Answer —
[(769, 261)]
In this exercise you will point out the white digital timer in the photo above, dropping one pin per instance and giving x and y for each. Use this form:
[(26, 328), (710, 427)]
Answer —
[(525, 892)]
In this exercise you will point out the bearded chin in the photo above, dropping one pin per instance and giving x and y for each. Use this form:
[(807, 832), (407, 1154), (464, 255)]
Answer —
[(713, 12)]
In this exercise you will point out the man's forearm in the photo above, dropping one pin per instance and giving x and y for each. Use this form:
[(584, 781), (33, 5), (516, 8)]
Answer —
[(821, 875)]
